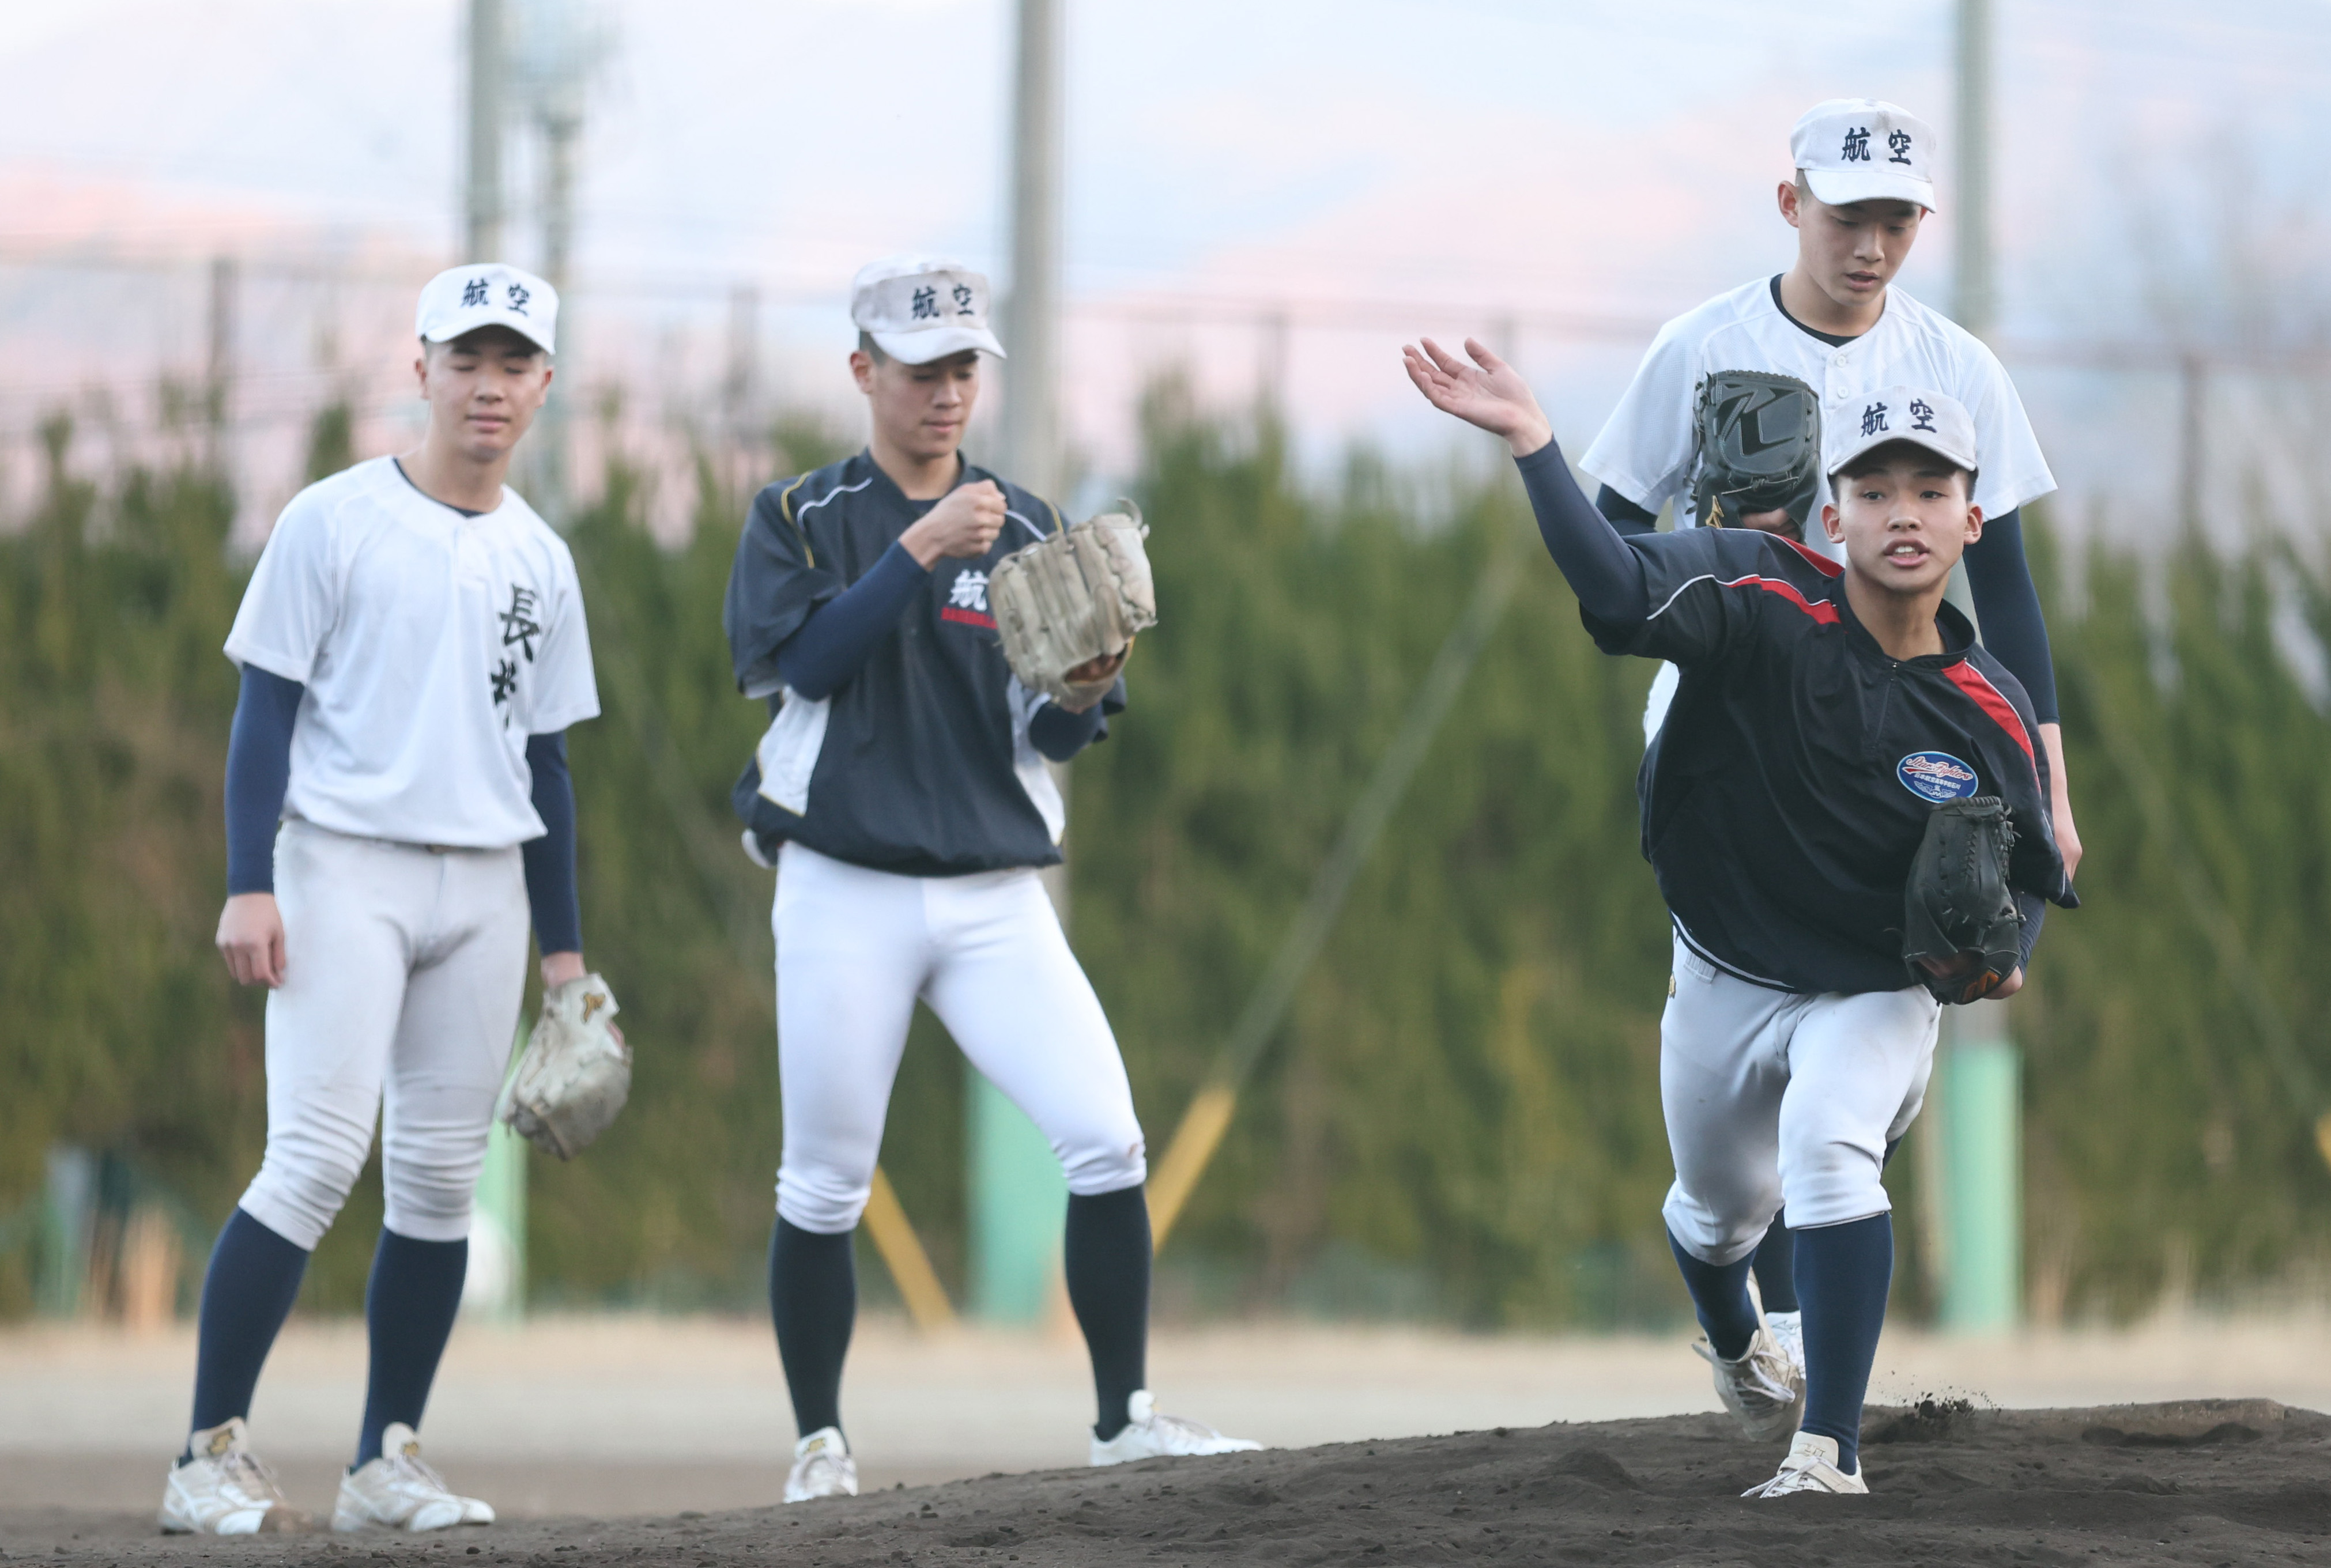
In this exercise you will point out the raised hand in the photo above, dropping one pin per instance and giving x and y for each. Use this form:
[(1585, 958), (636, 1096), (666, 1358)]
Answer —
[(1488, 393)]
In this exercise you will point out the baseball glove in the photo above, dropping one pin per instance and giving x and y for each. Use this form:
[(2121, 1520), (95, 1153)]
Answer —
[(1957, 901), (1760, 445), (1076, 596), (575, 1074)]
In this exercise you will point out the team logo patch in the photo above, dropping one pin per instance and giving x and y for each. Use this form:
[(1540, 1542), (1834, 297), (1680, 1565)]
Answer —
[(967, 601), (1935, 776)]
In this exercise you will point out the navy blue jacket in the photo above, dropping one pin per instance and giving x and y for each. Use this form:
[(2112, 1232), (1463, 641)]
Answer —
[(919, 771), (1790, 786)]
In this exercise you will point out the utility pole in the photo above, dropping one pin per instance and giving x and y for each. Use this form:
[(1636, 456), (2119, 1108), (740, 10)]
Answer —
[(497, 1284), (1974, 1159), (1974, 289), (1032, 314), (482, 205), (218, 368), (740, 388), (2193, 394), (1017, 1195), (558, 43)]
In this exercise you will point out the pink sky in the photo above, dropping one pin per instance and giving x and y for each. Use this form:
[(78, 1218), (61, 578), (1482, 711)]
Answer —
[(1482, 159)]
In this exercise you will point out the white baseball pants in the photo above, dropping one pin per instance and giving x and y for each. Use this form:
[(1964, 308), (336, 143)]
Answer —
[(856, 948), (404, 971), (1772, 1097)]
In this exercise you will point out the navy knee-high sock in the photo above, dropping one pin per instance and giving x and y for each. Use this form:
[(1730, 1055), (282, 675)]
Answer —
[(1107, 1260), (813, 1302), (1843, 1275), (410, 1303), (247, 1293), (1720, 1295), (1776, 1267)]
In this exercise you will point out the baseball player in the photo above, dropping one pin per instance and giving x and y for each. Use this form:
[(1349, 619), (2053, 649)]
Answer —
[(413, 648), (1835, 323), (1822, 713), (901, 794)]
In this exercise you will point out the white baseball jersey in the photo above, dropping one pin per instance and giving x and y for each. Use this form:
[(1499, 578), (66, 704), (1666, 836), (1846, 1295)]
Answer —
[(432, 644), (1647, 451)]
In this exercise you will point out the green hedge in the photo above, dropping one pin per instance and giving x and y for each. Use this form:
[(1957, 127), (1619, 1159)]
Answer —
[(1461, 1117)]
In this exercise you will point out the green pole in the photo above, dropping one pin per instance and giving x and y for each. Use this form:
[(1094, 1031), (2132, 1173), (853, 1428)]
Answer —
[(498, 1230), (1981, 1073), (1018, 1197), (69, 1208), (496, 1287)]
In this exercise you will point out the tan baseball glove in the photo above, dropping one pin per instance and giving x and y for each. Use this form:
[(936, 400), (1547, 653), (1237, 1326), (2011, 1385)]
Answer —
[(575, 1074), (1072, 598)]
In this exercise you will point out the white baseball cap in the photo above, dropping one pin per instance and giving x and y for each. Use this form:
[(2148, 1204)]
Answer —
[(1934, 420), (489, 294), (918, 308), (1861, 149)]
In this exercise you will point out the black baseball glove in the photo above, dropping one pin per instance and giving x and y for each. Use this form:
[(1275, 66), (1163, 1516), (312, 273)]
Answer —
[(1760, 445), (1957, 903)]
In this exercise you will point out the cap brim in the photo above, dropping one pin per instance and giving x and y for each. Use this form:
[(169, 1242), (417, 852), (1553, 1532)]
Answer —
[(1887, 438), (935, 343), (470, 320), (1843, 187)]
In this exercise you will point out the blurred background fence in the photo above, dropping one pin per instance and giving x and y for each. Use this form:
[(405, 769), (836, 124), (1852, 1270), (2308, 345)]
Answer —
[(1459, 1120)]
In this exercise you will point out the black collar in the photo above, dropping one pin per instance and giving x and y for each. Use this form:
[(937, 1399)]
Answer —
[(1834, 340), (1959, 634), (888, 487)]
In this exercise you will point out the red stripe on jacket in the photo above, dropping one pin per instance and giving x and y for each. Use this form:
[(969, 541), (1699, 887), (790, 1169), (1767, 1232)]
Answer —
[(1993, 701), (1820, 609), (1820, 562)]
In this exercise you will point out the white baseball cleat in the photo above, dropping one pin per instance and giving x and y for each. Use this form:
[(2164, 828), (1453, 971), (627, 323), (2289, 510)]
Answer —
[(823, 1468), (224, 1490), (1788, 1332), (399, 1491), (1151, 1435), (1810, 1466), (1761, 1388)]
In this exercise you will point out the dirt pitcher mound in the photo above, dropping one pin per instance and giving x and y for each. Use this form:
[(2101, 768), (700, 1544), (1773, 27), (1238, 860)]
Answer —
[(2214, 1481)]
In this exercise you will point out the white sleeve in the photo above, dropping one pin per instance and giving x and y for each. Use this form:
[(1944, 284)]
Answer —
[(566, 688), (2012, 473), (294, 599), (1645, 450)]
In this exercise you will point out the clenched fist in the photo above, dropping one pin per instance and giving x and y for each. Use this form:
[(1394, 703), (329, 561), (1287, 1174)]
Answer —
[(964, 523)]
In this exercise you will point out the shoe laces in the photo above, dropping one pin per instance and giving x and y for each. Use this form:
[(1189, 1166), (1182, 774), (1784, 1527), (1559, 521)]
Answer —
[(411, 1467), (1182, 1427), (247, 1473), (1761, 1373), (1792, 1479)]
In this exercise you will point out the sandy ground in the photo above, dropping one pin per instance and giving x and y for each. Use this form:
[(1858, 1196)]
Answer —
[(564, 1420)]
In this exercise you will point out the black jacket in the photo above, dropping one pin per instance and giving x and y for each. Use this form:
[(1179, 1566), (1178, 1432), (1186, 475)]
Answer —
[(1790, 782)]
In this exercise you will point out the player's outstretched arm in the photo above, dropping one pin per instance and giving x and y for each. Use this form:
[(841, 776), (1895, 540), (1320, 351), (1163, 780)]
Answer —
[(1605, 573), (1488, 393)]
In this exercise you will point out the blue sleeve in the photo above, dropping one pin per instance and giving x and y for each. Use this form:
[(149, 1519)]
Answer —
[(550, 860), (1607, 576), (1060, 734), (2035, 910), (841, 632), (2008, 605), (258, 771), (1625, 515)]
